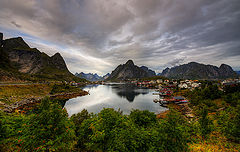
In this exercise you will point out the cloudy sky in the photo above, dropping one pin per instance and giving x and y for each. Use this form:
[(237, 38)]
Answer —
[(97, 35)]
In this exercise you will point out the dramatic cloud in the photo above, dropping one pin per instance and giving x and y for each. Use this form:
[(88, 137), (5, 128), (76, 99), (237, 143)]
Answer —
[(97, 35)]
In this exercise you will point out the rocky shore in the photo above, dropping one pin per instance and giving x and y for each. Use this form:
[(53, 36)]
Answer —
[(34, 100)]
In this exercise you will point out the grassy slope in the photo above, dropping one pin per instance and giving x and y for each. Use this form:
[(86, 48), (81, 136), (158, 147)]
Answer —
[(13, 93)]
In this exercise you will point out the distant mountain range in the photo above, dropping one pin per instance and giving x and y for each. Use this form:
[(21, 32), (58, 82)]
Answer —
[(20, 62), (130, 71), (91, 76), (194, 70)]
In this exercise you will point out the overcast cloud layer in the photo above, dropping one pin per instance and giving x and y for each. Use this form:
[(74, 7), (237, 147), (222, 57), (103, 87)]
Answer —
[(97, 35)]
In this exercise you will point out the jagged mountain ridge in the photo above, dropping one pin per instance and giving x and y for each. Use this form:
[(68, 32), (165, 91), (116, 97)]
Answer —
[(91, 76), (129, 71), (20, 59), (194, 70)]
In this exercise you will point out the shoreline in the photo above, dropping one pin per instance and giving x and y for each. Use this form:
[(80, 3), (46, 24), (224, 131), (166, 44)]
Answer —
[(28, 102)]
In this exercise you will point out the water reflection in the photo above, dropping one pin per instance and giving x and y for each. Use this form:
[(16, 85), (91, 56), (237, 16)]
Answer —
[(123, 96), (128, 91)]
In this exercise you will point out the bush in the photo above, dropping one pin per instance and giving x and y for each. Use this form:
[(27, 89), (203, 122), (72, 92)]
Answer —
[(206, 124), (48, 130), (229, 122), (233, 99), (174, 131), (143, 118), (111, 131)]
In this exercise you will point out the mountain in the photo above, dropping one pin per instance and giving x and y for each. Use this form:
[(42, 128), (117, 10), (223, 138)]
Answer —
[(194, 70), (129, 71), (20, 62), (150, 72), (91, 76), (106, 76)]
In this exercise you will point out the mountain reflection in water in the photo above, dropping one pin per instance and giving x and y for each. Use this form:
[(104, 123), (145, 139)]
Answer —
[(128, 91), (118, 96)]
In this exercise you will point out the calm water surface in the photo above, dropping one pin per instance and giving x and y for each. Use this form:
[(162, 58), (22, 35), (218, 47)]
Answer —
[(118, 96)]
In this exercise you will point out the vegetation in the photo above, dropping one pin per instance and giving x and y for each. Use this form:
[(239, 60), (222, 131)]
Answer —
[(218, 114), (215, 126), (63, 88), (12, 93), (48, 129)]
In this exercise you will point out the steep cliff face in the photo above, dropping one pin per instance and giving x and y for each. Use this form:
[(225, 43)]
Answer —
[(18, 56), (127, 71), (226, 71), (195, 70), (59, 62)]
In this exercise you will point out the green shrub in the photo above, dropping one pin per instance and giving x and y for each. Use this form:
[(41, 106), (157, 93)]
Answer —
[(111, 131), (174, 131), (229, 122), (143, 118), (206, 124), (48, 130), (233, 98)]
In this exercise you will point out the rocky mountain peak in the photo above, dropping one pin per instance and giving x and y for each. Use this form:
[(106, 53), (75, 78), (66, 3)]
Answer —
[(225, 66), (129, 71), (58, 61), (129, 62), (192, 63), (14, 43), (57, 56)]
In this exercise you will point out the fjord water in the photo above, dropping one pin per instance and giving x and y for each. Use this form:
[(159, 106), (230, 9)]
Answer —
[(118, 96)]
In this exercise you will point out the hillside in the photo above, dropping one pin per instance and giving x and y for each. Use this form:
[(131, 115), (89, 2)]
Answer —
[(20, 62), (130, 71), (194, 70)]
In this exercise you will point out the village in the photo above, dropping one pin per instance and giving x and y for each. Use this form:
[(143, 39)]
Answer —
[(166, 89)]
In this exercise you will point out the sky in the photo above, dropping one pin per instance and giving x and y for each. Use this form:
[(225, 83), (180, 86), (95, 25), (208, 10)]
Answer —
[(97, 35)]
